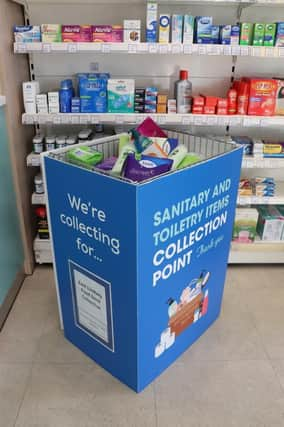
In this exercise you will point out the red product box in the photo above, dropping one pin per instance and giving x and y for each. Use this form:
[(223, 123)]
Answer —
[(209, 109), (222, 103), (198, 101), (211, 101), (262, 97), (197, 109)]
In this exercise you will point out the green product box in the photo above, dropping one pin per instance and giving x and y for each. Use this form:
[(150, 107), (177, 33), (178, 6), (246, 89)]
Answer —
[(269, 34), (246, 33), (258, 34), (245, 225), (270, 223), (84, 156)]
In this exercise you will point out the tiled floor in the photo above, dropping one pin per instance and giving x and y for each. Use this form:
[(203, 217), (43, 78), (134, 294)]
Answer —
[(233, 376)]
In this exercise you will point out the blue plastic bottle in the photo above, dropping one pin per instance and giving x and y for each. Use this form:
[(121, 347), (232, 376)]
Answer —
[(65, 96)]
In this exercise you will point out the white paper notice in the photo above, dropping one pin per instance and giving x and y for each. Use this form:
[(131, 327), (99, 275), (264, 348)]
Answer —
[(91, 305)]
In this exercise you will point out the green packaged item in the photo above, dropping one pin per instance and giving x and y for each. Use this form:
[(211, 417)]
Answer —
[(258, 34), (190, 159), (246, 33), (269, 34), (84, 156), (124, 139)]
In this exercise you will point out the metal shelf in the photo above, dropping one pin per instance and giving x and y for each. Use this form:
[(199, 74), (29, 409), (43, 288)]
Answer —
[(175, 2), (38, 199), (42, 250), (278, 199), (250, 162), (150, 48), (162, 119)]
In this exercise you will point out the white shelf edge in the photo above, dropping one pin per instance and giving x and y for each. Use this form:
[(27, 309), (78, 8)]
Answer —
[(162, 119), (217, 2), (278, 199), (262, 163), (258, 253), (151, 48)]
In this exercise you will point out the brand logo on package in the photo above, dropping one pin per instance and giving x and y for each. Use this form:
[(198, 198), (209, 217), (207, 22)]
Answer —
[(92, 304)]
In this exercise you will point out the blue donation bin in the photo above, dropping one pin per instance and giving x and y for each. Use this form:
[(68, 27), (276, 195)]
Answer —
[(140, 268)]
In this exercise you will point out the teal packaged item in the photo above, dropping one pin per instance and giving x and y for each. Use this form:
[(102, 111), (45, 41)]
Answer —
[(280, 35), (204, 29), (84, 156), (140, 142), (178, 155), (120, 95), (93, 94)]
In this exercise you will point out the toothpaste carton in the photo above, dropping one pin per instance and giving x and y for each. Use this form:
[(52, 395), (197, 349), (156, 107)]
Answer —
[(225, 34), (258, 34), (51, 33), (235, 35), (151, 22), (93, 94), (280, 34), (121, 95), (164, 28), (188, 29), (177, 27), (269, 34), (204, 29), (27, 33), (246, 33), (215, 34)]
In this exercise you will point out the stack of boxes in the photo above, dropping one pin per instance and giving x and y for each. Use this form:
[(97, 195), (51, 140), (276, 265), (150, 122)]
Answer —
[(162, 101), (151, 94), (139, 100)]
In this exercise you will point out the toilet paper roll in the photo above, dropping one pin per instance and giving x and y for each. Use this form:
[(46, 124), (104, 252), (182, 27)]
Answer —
[(170, 341), (159, 349), (165, 335)]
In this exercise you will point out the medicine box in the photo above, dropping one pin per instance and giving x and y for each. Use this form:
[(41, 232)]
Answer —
[(51, 33), (93, 94), (203, 29), (41, 103), (269, 34), (53, 102), (258, 34), (177, 28), (164, 28), (120, 95), (188, 29), (225, 34), (262, 97), (246, 33), (280, 34), (235, 35), (27, 34), (132, 30), (30, 91), (151, 22), (140, 268), (245, 225), (215, 34), (280, 98), (270, 223)]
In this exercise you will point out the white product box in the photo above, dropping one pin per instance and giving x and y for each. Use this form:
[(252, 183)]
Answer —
[(30, 91), (188, 28), (177, 26), (53, 102), (151, 22), (41, 103), (164, 28)]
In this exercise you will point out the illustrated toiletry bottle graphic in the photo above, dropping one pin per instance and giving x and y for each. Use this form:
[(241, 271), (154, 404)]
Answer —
[(205, 303), (173, 307)]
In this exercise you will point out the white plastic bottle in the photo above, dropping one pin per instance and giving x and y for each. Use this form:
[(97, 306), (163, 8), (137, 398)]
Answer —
[(183, 93)]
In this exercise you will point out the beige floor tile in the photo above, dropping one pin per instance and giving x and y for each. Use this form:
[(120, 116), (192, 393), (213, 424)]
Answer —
[(83, 396), (220, 394), (13, 382), (271, 331), (17, 350), (53, 347), (42, 278)]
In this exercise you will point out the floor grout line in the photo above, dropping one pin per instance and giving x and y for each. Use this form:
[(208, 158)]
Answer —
[(155, 403)]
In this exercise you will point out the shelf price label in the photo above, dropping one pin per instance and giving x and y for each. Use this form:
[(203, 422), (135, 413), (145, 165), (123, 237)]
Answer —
[(236, 50), (46, 47), (251, 122), (153, 48), (57, 120), (161, 120), (75, 120), (163, 48), (95, 120), (227, 50), (84, 119), (65, 119), (119, 120), (187, 49), (106, 48), (176, 48), (132, 48), (281, 52), (72, 47), (20, 48), (245, 51)]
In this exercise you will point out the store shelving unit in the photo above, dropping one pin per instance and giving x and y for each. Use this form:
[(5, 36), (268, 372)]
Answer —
[(42, 250), (50, 62), (38, 199)]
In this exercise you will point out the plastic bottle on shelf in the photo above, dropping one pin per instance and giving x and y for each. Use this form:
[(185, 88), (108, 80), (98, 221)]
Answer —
[(65, 96), (183, 93)]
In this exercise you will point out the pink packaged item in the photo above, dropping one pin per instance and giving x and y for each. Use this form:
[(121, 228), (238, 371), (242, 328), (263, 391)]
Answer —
[(102, 33), (149, 128), (117, 33), (76, 33)]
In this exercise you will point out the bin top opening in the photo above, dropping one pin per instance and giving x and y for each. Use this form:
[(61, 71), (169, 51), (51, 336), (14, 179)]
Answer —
[(111, 161)]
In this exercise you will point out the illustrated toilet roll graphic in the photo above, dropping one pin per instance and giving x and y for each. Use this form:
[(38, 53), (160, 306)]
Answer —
[(165, 335), (173, 307), (159, 350), (170, 341), (204, 276)]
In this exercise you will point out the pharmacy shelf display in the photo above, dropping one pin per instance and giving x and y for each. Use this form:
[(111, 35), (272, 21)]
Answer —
[(150, 48), (257, 253), (162, 119), (278, 199), (161, 2), (251, 162)]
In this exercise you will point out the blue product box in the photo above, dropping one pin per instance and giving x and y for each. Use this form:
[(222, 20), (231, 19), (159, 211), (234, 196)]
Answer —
[(93, 95), (151, 91), (149, 108), (215, 34), (225, 34), (280, 34), (203, 26), (137, 289), (177, 28), (27, 33), (151, 22), (150, 98), (75, 105), (235, 35)]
